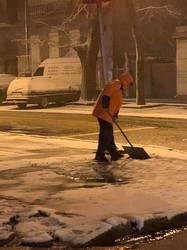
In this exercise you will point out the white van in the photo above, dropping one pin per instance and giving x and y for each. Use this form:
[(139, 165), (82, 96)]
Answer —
[(55, 80)]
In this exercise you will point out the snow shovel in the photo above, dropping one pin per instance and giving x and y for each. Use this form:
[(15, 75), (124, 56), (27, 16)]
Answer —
[(133, 152)]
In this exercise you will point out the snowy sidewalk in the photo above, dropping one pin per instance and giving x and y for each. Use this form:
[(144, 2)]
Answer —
[(52, 189), (153, 110)]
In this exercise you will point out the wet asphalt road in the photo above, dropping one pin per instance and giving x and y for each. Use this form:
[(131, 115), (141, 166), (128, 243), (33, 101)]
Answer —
[(148, 126)]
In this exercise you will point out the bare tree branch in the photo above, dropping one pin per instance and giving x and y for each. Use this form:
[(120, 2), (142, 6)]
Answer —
[(153, 9)]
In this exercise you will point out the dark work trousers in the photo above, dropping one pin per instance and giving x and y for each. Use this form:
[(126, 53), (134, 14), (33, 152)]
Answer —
[(106, 138)]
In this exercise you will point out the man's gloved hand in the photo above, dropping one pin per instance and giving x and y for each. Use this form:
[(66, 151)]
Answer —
[(114, 119)]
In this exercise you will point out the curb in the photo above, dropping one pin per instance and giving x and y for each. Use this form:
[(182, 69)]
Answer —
[(130, 230)]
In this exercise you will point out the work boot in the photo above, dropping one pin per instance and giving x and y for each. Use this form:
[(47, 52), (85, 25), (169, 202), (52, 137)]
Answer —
[(101, 158), (116, 156)]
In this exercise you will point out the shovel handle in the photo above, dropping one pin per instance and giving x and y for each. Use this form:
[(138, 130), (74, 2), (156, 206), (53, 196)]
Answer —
[(120, 130), (123, 133)]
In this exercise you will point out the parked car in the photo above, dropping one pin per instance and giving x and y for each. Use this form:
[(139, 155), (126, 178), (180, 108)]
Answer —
[(5, 80), (55, 80)]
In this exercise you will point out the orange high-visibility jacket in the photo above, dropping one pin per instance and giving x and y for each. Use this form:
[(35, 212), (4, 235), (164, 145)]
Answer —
[(114, 91)]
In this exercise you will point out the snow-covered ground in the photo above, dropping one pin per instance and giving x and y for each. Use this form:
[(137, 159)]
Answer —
[(160, 110), (52, 189)]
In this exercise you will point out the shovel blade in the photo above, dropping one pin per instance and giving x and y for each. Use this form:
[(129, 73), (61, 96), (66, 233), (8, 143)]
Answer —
[(136, 152)]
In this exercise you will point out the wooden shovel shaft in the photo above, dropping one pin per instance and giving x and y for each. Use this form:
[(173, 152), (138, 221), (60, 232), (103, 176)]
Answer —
[(121, 130), (123, 133)]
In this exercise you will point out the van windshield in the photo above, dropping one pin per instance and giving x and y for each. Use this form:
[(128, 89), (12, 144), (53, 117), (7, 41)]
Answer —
[(39, 71)]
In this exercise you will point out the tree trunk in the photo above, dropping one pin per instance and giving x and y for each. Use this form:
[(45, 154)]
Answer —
[(88, 54), (140, 98)]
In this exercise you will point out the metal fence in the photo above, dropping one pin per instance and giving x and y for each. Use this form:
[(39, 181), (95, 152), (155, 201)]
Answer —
[(26, 67)]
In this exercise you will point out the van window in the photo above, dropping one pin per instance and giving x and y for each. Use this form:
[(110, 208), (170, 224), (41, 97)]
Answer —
[(39, 71)]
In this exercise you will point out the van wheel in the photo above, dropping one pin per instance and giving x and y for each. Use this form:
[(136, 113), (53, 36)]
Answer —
[(22, 105), (43, 103)]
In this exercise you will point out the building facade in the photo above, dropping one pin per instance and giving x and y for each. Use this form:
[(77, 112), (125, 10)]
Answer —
[(181, 61), (31, 31)]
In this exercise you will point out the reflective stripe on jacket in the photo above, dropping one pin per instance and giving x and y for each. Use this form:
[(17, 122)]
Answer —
[(114, 92)]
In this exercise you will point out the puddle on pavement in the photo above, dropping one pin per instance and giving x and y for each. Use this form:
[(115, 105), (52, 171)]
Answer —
[(132, 242), (103, 179)]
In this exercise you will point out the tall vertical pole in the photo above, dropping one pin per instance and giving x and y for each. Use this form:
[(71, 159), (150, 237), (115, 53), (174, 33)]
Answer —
[(102, 44), (26, 26)]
